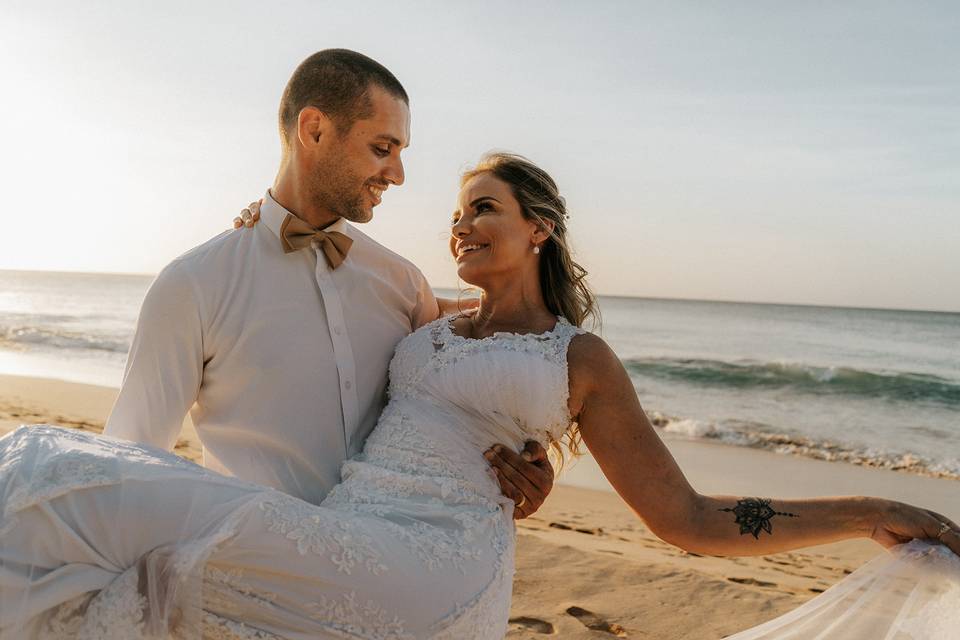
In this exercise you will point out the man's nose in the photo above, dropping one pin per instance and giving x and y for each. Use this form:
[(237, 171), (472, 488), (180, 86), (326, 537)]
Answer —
[(394, 172)]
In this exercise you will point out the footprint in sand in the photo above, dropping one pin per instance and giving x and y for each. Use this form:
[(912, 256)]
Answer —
[(526, 623), (754, 582), (595, 623)]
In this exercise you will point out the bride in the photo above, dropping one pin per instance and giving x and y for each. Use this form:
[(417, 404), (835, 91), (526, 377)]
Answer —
[(101, 538)]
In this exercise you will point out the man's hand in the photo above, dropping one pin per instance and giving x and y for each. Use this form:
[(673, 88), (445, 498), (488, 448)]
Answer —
[(525, 478)]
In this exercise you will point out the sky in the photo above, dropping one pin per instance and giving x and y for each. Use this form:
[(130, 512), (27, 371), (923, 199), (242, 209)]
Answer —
[(758, 151)]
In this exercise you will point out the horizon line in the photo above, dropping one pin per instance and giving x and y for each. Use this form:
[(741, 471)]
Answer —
[(599, 295)]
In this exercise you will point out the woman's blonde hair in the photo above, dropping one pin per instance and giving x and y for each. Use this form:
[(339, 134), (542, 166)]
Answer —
[(562, 281)]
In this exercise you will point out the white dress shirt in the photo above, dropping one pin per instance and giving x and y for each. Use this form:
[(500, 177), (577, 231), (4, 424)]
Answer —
[(281, 361)]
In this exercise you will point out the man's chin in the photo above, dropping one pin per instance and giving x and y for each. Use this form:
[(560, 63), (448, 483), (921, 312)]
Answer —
[(360, 216)]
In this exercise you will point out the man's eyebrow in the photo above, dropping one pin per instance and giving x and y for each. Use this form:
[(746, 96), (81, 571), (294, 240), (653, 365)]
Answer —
[(389, 138)]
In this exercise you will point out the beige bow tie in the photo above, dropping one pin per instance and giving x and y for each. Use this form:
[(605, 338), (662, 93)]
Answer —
[(295, 234)]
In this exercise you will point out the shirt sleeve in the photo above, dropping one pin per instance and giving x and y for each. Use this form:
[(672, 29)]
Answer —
[(164, 366), (427, 309)]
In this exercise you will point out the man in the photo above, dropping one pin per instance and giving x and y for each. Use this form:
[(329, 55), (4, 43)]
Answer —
[(277, 340)]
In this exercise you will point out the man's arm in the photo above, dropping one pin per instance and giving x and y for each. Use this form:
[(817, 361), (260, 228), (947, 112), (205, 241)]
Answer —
[(164, 366)]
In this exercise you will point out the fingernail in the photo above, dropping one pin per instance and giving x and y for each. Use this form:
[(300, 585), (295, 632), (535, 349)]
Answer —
[(498, 448), (526, 456), (488, 455)]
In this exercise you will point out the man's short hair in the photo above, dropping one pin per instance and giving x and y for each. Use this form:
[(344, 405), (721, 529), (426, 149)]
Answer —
[(337, 82)]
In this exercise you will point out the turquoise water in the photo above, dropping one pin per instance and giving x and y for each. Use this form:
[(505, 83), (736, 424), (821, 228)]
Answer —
[(872, 387)]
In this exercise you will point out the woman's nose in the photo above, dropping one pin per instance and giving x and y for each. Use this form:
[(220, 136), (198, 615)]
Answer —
[(460, 228)]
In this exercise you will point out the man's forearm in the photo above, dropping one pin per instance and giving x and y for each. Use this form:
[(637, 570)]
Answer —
[(743, 526)]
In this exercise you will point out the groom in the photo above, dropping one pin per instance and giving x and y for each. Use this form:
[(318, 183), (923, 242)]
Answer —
[(277, 339)]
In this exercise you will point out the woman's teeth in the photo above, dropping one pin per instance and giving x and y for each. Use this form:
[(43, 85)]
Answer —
[(470, 247)]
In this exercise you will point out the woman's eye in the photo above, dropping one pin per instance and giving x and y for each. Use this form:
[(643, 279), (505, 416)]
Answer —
[(483, 206)]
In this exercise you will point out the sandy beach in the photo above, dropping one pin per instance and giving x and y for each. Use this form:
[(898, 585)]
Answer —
[(587, 567)]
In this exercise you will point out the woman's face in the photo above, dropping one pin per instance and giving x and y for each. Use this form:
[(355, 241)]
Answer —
[(489, 235)]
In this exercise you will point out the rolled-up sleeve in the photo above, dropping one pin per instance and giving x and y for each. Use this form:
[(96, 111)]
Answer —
[(165, 363)]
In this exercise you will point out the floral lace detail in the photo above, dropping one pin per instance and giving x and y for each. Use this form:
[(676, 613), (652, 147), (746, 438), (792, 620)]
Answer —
[(219, 628), (222, 586), (314, 531), (65, 620), (116, 613), (60, 476), (350, 617), (95, 463), (399, 444)]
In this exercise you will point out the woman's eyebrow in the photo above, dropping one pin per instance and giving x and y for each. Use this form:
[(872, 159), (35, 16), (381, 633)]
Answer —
[(482, 198)]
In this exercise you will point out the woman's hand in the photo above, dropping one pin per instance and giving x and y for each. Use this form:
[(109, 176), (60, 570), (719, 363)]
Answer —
[(898, 523), (249, 216)]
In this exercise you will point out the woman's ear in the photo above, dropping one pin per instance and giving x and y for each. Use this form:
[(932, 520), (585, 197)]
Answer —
[(543, 231)]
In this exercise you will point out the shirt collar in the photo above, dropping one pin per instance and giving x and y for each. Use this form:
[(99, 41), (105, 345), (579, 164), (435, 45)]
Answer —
[(273, 214)]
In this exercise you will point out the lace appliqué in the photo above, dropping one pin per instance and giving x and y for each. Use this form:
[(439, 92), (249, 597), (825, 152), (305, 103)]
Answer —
[(115, 613), (221, 587), (354, 618), (218, 628), (343, 540)]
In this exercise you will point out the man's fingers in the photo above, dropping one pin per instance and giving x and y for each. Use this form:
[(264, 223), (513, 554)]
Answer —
[(534, 452), (514, 484), (513, 463)]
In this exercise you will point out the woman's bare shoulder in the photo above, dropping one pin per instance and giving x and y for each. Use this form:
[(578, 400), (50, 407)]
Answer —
[(590, 352), (592, 365)]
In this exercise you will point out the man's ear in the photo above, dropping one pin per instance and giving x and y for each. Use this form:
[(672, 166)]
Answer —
[(312, 126)]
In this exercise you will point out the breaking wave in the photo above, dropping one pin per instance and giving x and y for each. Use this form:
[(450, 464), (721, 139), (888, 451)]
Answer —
[(760, 437), (842, 381), (20, 337)]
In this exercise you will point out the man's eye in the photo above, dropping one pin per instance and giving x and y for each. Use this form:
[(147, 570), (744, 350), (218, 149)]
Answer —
[(382, 151)]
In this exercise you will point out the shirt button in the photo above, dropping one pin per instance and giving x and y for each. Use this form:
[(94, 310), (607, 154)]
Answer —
[(347, 384), (338, 330)]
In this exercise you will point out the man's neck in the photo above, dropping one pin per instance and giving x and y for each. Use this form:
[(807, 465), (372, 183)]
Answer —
[(289, 193)]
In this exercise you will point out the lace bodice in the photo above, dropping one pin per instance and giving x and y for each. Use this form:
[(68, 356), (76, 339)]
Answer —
[(513, 387)]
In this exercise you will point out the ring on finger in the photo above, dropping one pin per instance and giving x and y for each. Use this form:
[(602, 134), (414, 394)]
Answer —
[(944, 527)]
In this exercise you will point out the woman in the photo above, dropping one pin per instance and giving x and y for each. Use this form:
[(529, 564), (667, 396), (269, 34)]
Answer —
[(105, 539)]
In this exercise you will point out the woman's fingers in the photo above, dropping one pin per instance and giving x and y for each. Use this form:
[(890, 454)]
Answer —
[(249, 216), (944, 519)]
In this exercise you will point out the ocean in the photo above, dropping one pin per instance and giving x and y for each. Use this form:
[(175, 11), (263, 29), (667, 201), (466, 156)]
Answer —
[(871, 387)]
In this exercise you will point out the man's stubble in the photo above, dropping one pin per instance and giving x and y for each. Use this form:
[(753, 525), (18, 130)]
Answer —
[(338, 190)]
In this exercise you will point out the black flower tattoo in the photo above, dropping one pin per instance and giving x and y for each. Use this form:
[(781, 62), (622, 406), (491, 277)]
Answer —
[(754, 514)]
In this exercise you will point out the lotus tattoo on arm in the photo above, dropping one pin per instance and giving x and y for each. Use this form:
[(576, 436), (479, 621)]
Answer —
[(754, 515)]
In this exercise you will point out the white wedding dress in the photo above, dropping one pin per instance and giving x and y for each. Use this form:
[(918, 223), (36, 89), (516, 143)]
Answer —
[(104, 539)]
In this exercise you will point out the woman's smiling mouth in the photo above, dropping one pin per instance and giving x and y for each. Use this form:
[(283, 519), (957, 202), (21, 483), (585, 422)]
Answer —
[(468, 248)]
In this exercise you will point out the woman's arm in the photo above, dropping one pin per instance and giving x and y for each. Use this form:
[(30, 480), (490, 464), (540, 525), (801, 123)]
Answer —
[(641, 469)]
